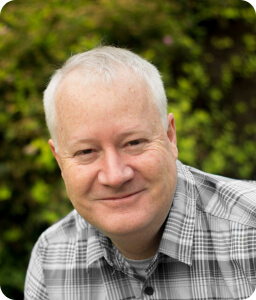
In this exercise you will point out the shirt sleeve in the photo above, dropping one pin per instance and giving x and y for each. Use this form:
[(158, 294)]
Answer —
[(35, 288)]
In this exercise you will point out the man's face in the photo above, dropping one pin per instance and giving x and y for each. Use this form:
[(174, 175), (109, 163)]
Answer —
[(116, 158)]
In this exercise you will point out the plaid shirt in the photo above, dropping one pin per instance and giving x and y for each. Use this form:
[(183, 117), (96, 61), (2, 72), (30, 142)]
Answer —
[(208, 250)]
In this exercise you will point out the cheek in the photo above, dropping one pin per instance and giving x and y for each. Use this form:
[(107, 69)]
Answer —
[(162, 173), (77, 181), (156, 165)]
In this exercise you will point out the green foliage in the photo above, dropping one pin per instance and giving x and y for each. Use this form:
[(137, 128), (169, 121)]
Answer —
[(207, 57)]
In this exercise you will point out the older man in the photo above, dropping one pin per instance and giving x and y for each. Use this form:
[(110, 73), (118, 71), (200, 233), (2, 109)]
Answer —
[(145, 226)]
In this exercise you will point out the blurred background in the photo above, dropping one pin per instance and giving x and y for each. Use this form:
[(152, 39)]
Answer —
[(206, 52)]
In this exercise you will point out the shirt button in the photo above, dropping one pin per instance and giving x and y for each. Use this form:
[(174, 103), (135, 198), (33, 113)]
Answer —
[(149, 290)]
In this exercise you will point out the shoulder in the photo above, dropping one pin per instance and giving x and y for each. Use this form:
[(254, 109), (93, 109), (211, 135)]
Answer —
[(68, 229), (226, 198), (62, 242)]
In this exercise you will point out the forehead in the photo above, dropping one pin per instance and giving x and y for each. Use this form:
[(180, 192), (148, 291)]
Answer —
[(104, 110), (97, 109), (125, 89)]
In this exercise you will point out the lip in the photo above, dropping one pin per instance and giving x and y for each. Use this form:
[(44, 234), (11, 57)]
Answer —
[(121, 197)]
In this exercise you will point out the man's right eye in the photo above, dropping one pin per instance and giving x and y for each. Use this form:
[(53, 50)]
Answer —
[(85, 152)]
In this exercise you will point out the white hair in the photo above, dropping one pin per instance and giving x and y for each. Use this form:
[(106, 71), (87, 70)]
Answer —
[(102, 64)]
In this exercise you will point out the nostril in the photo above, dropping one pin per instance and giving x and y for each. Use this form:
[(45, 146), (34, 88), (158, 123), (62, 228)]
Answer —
[(114, 170), (115, 177)]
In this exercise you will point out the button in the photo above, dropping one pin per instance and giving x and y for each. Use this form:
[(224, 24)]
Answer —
[(149, 290)]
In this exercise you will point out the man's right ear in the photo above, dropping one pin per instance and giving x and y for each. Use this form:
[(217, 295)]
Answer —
[(54, 152)]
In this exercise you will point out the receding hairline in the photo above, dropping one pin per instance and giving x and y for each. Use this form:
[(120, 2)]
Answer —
[(79, 74), (66, 82), (102, 63)]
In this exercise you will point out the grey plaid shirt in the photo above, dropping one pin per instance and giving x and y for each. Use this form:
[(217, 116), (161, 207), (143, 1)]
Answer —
[(208, 250)]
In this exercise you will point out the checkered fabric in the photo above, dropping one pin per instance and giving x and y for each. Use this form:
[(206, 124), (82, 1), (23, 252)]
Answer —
[(207, 251)]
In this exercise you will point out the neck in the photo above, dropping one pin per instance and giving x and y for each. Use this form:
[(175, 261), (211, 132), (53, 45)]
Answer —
[(138, 246)]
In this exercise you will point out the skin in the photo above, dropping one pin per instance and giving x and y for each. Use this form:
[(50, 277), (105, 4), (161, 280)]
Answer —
[(116, 159)]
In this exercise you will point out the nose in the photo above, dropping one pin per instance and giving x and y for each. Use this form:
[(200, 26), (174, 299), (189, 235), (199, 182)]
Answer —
[(114, 171)]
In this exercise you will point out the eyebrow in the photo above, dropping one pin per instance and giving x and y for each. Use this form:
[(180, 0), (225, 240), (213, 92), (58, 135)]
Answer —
[(93, 140), (81, 141)]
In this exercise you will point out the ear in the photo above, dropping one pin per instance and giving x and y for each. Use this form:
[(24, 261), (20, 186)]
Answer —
[(171, 133), (54, 152)]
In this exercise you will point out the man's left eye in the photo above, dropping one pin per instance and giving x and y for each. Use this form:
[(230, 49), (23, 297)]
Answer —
[(134, 143)]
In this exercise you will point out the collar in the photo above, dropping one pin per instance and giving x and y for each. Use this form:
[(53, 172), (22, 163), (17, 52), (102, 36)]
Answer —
[(177, 240), (99, 246), (95, 250)]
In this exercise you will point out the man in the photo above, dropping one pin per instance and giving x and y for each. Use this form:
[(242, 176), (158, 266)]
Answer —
[(145, 226)]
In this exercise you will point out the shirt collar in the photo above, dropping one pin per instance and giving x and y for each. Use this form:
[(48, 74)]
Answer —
[(100, 246), (94, 247), (177, 240)]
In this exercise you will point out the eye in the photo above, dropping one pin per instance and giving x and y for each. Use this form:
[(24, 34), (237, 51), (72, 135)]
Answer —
[(134, 143), (84, 152), (86, 156), (136, 147), (137, 142)]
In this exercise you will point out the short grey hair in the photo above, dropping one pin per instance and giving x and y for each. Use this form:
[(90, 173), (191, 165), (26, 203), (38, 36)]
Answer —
[(102, 64)]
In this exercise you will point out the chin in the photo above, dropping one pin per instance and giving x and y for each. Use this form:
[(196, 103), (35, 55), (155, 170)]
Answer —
[(122, 227)]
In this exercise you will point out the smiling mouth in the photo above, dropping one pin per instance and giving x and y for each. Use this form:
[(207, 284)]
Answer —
[(121, 197)]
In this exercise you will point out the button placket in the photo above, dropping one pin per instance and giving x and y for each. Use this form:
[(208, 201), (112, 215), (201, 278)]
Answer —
[(148, 290)]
